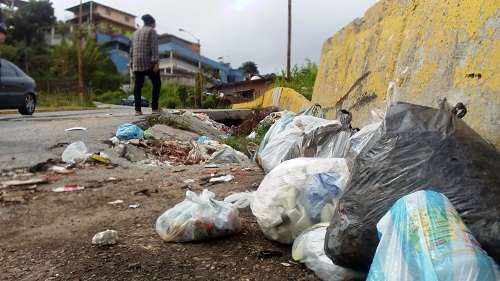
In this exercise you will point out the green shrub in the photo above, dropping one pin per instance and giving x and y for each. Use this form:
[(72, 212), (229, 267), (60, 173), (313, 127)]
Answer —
[(209, 102), (112, 97), (171, 103)]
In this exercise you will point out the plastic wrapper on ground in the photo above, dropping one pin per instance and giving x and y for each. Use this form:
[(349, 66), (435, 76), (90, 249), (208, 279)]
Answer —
[(422, 237), (198, 218), (308, 248), (297, 194), (416, 148)]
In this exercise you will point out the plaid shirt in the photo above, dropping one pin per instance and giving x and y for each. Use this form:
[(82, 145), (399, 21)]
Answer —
[(144, 49)]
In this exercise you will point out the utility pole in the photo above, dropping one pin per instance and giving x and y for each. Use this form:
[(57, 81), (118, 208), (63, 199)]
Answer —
[(289, 51), (80, 73)]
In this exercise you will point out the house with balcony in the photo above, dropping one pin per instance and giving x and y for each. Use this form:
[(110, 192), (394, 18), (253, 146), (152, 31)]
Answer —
[(110, 27), (180, 60)]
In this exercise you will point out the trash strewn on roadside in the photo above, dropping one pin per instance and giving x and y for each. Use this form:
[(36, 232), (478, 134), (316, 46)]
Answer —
[(198, 217), (108, 237)]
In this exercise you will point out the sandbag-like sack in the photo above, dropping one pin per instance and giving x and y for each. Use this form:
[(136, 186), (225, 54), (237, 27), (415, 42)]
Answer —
[(416, 148)]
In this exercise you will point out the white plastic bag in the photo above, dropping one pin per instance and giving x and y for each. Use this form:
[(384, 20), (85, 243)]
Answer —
[(279, 146), (240, 200), (75, 152), (422, 237), (309, 249), (197, 218), (283, 205)]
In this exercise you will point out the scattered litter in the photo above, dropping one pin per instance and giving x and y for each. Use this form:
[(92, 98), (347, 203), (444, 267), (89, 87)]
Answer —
[(204, 138), (134, 206), (211, 166), (67, 188), (99, 157), (155, 163), (62, 170), (75, 152), (145, 192), (224, 178), (285, 264), (115, 202), (129, 131), (198, 217), (107, 237), (25, 182), (76, 129), (265, 254), (188, 181), (40, 167)]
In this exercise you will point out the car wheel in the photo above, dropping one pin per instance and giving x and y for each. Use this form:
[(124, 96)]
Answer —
[(28, 107), (121, 103)]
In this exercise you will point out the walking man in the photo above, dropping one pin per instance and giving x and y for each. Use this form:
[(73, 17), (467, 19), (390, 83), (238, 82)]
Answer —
[(145, 62)]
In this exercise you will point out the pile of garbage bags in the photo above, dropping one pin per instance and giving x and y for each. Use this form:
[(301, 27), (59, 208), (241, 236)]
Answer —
[(411, 196), (408, 151)]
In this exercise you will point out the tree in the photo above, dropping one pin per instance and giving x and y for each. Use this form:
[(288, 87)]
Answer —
[(25, 26), (182, 92), (249, 67)]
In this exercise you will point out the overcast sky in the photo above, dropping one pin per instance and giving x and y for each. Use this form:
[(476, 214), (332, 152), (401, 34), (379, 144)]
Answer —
[(244, 30)]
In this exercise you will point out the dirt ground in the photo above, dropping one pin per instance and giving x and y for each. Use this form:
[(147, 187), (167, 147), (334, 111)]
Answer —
[(46, 235)]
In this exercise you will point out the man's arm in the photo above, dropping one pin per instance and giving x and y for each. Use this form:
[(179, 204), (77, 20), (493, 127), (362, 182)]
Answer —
[(155, 58)]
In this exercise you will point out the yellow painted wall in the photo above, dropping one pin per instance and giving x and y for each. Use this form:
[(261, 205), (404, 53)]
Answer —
[(431, 48), (282, 98)]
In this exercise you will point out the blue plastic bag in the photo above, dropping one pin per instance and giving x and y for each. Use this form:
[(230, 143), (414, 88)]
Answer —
[(319, 190), (129, 131)]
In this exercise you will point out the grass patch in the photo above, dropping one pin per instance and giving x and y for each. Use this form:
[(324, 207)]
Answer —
[(64, 101)]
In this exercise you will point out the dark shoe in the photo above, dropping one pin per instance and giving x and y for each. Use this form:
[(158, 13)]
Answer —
[(138, 113), (159, 110)]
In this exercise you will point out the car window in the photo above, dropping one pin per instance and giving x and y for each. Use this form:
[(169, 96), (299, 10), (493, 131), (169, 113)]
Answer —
[(7, 70)]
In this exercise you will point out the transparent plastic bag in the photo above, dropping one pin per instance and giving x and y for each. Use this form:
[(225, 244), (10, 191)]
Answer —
[(198, 218), (309, 249), (279, 203), (75, 152), (422, 237)]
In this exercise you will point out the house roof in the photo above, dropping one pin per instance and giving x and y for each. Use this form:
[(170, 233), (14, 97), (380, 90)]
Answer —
[(76, 9)]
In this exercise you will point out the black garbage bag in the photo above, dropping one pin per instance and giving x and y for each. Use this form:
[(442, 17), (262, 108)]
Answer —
[(416, 148)]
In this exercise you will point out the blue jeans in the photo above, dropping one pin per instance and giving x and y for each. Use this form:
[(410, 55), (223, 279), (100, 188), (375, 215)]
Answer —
[(139, 82)]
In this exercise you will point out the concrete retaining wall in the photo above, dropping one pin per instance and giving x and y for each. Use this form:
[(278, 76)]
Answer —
[(431, 48)]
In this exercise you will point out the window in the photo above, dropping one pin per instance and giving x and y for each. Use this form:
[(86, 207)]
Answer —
[(108, 12), (127, 19), (8, 70)]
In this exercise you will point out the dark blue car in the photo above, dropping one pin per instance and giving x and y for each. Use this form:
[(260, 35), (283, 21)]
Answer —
[(17, 89), (130, 101)]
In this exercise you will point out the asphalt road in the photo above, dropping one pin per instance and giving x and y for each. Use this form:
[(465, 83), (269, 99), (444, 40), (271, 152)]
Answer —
[(28, 140)]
